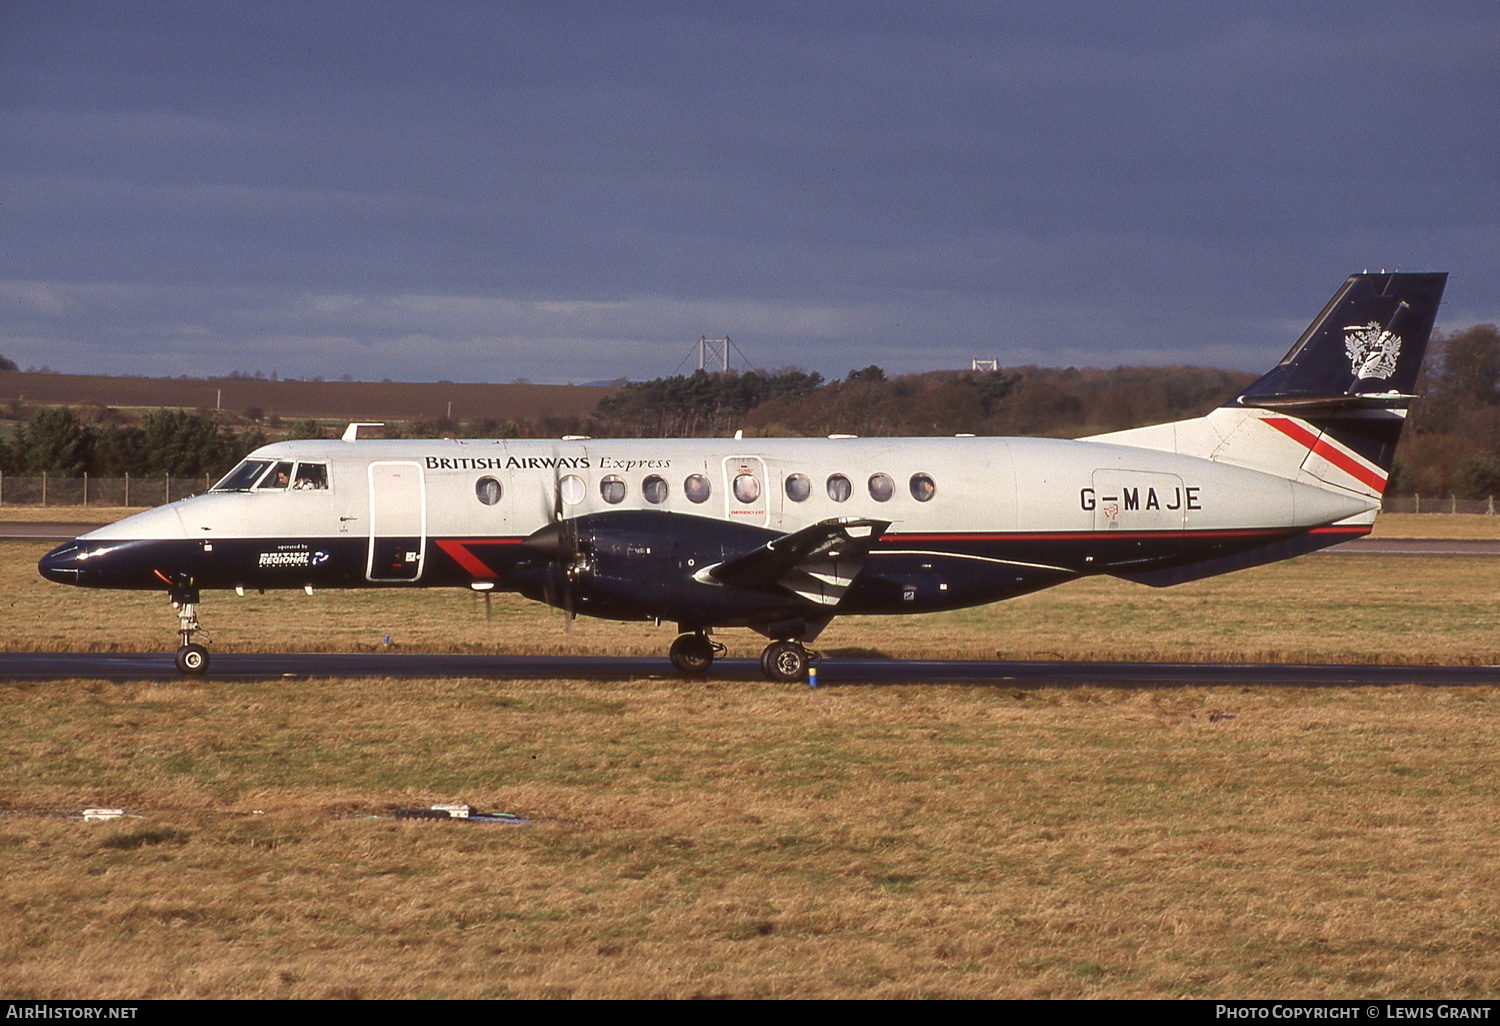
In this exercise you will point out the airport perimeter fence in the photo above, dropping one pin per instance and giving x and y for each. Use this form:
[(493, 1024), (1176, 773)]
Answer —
[(51, 490)]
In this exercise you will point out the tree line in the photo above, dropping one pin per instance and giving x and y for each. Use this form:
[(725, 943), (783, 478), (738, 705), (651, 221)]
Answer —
[(1451, 445), (1452, 440), (179, 443), (1013, 401)]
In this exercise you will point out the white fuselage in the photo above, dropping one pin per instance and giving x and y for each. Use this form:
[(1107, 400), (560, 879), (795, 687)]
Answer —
[(428, 488)]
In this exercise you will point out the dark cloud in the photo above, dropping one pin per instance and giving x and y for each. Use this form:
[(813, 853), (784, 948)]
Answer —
[(579, 191)]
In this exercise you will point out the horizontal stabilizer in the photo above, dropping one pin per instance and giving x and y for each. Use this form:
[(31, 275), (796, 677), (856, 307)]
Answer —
[(1316, 404), (818, 562)]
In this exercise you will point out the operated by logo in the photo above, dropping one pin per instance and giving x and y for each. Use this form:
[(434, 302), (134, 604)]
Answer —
[(1372, 350)]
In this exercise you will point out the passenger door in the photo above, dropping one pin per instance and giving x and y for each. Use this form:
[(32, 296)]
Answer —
[(398, 522)]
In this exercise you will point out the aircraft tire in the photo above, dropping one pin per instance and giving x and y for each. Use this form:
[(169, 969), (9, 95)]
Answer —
[(784, 661), (692, 655), (192, 659)]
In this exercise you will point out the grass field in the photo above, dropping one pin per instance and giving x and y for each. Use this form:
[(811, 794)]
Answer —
[(749, 841), (753, 840)]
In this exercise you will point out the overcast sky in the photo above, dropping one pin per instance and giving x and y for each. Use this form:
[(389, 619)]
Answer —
[(568, 191)]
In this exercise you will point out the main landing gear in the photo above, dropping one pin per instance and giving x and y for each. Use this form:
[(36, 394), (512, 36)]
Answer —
[(693, 654), (191, 657), (784, 661)]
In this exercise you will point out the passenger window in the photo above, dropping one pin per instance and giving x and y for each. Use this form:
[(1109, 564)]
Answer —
[(279, 477), (488, 490), (654, 488), (570, 489), (922, 487), (697, 488), (311, 477), (882, 487), (612, 489), (839, 488), (746, 488), (798, 487)]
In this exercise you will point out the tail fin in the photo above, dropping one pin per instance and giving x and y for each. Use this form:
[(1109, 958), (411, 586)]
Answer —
[(1330, 413), (1363, 351)]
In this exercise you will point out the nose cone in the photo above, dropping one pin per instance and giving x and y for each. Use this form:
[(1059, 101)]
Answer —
[(86, 562), (62, 565)]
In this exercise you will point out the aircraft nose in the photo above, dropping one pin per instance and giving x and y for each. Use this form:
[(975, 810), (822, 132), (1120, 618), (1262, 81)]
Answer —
[(62, 564), (84, 561)]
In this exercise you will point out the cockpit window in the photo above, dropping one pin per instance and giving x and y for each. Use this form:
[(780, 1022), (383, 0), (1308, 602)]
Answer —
[(242, 477), (311, 477), (279, 477)]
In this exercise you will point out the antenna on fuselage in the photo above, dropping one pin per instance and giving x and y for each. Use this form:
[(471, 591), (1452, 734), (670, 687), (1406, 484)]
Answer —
[(351, 433)]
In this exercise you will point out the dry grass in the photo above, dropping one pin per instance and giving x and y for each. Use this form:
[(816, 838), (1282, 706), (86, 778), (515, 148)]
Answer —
[(66, 514), (1315, 609), (1436, 525), (749, 841)]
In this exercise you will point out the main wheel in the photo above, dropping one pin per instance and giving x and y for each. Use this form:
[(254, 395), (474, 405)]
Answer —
[(692, 655), (192, 659), (784, 661)]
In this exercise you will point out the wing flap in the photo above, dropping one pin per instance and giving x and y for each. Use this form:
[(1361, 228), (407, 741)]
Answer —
[(818, 562)]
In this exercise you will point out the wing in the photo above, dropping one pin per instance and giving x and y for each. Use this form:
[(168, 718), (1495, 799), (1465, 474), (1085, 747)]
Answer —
[(818, 562)]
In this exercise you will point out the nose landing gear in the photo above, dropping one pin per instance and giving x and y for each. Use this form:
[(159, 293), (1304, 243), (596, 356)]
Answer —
[(192, 658)]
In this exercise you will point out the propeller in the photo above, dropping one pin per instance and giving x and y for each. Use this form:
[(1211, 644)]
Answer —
[(557, 542)]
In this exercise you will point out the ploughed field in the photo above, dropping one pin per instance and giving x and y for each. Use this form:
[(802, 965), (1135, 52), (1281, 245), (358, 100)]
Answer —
[(326, 400), (743, 839)]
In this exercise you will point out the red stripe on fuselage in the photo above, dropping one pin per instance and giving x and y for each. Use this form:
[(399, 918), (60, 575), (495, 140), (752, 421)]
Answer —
[(457, 550), (1316, 445)]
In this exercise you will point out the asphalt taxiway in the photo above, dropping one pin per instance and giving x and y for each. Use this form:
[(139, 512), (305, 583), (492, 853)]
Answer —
[(229, 667)]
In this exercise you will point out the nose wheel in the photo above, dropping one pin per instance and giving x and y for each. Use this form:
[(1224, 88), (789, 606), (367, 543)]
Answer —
[(192, 658)]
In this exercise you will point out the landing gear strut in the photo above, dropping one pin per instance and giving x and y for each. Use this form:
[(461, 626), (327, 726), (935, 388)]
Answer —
[(693, 654), (784, 661), (191, 657)]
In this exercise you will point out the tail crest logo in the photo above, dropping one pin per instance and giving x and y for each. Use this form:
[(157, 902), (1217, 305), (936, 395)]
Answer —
[(1372, 350)]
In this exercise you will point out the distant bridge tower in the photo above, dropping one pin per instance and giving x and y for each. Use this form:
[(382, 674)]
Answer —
[(713, 353), (984, 365), (717, 356)]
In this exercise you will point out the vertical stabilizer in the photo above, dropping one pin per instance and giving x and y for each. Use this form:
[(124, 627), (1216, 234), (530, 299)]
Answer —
[(1368, 342), (1330, 413)]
